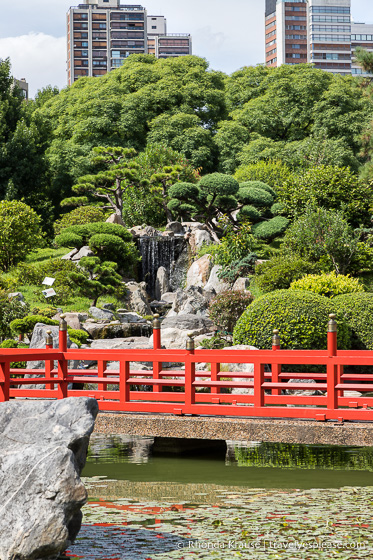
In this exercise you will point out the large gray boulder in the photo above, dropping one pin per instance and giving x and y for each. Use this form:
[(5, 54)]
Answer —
[(214, 283), (43, 451), (101, 314), (190, 302), (162, 283), (137, 298), (175, 330), (198, 274)]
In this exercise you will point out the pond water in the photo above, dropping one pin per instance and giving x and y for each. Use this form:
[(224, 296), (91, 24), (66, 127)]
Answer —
[(250, 500)]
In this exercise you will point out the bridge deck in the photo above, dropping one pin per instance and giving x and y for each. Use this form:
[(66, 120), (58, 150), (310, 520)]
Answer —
[(237, 429)]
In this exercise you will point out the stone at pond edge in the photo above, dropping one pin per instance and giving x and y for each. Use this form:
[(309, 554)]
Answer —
[(43, 451)]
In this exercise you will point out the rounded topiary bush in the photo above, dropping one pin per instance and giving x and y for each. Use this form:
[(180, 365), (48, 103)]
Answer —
[(279, 272), (301, 317), (258, 185), (250, 213), (271, 229), (328, 285), (357, 311), (254, 196)]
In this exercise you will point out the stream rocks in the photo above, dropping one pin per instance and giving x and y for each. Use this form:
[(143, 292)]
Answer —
[(175, 330), (43, 451)]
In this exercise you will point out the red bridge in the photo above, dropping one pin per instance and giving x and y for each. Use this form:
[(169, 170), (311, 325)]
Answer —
[(183, 390)]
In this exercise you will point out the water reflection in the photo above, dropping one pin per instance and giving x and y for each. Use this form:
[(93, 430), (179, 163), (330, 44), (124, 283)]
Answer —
[(244, 464)]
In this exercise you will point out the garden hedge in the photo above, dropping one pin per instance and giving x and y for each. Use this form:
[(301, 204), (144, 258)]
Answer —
[(357, 311), (301, 317)]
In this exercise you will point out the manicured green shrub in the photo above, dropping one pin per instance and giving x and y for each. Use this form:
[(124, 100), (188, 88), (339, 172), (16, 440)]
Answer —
[(301, 317), (357, 311), (277, 208), (255, 196), (258, 185), (110, 242), (271, 229), (9, 343), (27, 324), (279, 272), (328, 285), (227, 307), (250, 213), (95, 278), (79, 216)]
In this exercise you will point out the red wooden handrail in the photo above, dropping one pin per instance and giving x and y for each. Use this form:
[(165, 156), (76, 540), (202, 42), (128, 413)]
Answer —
[(264, 392)]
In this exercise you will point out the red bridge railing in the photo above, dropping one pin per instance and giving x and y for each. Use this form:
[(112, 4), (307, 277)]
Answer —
[(264, 391)]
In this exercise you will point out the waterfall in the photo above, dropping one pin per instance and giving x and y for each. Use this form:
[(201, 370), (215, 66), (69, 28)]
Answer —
[(155, 252)]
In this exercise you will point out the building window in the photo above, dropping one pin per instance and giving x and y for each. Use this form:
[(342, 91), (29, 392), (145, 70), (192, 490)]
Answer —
[(329, 10), (295, 46), (102, 25), (84, 43)]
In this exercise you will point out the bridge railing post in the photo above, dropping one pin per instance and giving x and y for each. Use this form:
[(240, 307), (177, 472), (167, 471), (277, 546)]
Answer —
[(62, 363), (4, 381), (49, 364), (331, 369), (190, 375), (157, 366), (276, 368)]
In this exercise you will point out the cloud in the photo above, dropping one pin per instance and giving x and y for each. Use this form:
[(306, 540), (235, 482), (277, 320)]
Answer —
[(37, 57)]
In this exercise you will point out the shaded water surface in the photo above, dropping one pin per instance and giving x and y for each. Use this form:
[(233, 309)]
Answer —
[(252, 501)]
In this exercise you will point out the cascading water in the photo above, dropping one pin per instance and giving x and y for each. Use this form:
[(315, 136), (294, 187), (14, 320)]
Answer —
[(155, 252)]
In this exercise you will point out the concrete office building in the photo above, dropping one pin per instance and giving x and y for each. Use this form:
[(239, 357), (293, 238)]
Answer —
[(102, 33), (320, 32), (329, 35)]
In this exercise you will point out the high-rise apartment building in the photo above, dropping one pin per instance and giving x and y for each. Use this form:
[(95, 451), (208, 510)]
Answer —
[(317, 31), (102, 33), (166, 45), (286, 32)]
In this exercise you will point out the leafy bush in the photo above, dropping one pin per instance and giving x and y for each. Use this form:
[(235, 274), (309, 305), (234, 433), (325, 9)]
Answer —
[(357, 311), (227, 307), (324, 236), (332, 188), (272, 173), (328, 285), (35, 273), (301, 317), (279, 272), (44, 311), (20, 232), (78, 336), (27, 324), (235, 246), (271, 229), (239, 268), (79, 216), (10, 310)]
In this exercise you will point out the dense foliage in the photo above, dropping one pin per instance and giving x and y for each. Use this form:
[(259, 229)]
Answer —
[(279, 272), (20, 232), (357, 311), (301, 317), (227, 307), (328, 285)]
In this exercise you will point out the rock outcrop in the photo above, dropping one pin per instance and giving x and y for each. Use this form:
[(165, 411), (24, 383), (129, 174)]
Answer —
[(43, 450)]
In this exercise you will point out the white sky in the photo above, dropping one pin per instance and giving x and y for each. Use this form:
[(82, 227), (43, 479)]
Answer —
[(228, 35)]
